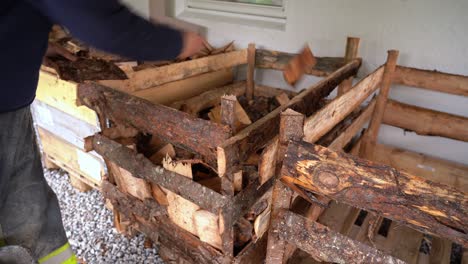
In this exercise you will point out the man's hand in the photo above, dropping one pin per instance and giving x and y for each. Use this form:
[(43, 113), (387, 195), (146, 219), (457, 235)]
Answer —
[(54, 49), (193, 43)]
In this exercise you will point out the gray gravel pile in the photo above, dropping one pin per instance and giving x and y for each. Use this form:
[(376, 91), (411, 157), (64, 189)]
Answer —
[(89, 227)]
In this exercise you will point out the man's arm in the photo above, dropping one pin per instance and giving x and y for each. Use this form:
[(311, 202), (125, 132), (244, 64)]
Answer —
[(108, 25)]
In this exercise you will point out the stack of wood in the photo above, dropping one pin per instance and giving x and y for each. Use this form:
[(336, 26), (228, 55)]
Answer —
[(62, 124), (196, 176)]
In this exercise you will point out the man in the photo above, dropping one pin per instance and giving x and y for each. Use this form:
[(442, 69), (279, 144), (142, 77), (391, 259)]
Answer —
[(29, 211)]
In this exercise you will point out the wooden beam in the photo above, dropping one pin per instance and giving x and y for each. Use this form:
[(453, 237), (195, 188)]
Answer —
[(344, 138), (425, 206), (250, 71), (425, 121), (433, 169), (180, 129), (319, 124), (352, 50), (152, 77), (432, 80), (141, 167), (370, 138), (324, 244), (238, 148), (276, 60)]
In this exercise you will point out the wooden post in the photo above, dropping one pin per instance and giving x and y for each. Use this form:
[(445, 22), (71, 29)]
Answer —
[(426, 206), (370, 137), (291, 127), (250, 71), (352, 50)]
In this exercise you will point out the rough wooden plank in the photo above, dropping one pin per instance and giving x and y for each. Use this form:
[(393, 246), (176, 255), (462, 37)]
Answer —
[(425, 121), (344, 138), (434, 169), (352, 49), (152, 77), (180, 129), (143, 168), (426, 206), (184, 89), (63, 95), (267, 91), (257, 135), (317, 125), (432, 80), (326, 245), (278, 60), (370, 138), (70, 157)]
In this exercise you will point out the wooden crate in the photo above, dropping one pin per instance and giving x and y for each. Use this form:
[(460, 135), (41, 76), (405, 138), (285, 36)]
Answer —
[(365, 212), (56, 107), (200, 221)]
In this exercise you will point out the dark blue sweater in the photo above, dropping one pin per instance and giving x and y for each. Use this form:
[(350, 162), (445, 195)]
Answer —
[(104, 24)]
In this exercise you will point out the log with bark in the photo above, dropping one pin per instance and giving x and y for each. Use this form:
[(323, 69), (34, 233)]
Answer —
[(425, 206)]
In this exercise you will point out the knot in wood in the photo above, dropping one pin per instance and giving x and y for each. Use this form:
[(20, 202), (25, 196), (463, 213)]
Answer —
[(326, 179)]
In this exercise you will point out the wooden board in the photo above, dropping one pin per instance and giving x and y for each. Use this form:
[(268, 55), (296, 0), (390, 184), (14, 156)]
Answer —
[(73, 158), (152, 77), (184, 89), (68, 127), (63, 95)]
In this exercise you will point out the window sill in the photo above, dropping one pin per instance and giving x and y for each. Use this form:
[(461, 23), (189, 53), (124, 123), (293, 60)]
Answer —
[(207, 17)]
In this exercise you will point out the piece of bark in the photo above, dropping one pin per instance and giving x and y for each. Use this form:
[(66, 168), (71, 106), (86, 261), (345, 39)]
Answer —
[(243, 230), (298, 65), (425, 206)]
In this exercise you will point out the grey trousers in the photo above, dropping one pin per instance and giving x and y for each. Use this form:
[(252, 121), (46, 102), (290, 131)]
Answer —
[(29, 210)]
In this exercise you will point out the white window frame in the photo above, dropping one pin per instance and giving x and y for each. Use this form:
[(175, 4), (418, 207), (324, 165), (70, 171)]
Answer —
[(254, 10)]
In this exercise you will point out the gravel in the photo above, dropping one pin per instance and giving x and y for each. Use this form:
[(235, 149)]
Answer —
[(89, 227)]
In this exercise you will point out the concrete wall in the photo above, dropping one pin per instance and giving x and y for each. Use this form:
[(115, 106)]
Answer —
[(430, 34)]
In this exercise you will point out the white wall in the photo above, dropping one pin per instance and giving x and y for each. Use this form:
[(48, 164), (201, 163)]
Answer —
[(430, 34), (141, 7)]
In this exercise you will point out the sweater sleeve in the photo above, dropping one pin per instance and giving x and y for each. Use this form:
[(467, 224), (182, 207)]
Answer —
[(110, 26)]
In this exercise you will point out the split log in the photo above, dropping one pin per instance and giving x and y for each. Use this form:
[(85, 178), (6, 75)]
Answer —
[(319, 124), (143, 168), (136, 187), (210, 98), (267, 163), (276, 60), (324, 244), (149, 218), (352, 49), (298, 65), (232, 114), (425, 121), (158, 157), (157, 76), (199, 136), (426, 206), (432, 80), (238, 148), (282, 98)]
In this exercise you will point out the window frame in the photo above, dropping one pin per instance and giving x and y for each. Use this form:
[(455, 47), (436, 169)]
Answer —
[(255, 10)]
